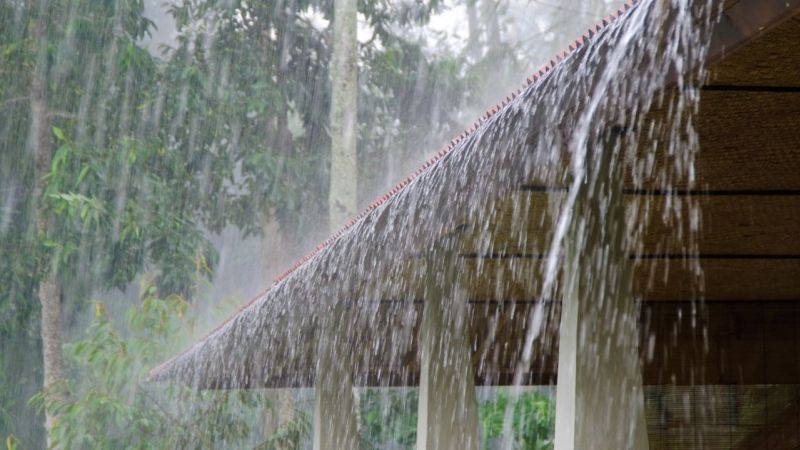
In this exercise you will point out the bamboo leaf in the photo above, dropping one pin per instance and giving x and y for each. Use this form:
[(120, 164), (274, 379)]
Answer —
[(59, 133)]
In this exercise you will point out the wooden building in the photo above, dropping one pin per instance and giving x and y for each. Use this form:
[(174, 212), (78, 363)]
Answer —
[(455, 254)]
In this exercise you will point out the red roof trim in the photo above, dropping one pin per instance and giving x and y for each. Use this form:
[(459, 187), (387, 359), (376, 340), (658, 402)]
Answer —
[(422, 169), (464, 134)]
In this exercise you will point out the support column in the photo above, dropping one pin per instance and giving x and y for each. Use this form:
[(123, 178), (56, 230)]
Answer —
[(599, 399), (335, 404), (448, 410)]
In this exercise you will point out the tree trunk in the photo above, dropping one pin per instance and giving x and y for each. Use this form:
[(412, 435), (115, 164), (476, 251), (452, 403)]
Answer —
[(336, 404), (42, 150), (473, 43), (343, 119), (490, 14)]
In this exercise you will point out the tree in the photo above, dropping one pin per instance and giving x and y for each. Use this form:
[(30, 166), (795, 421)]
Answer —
[(112, 190), (335, 407), (388, 418), (113, 406), (119, 164), (530, 425), (343, 203), (49, 291), (37, 51)]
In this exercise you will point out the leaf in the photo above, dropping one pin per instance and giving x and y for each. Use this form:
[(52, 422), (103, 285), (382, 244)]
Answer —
[(79, 348), (83, 173), (50, 243), (60, 157), (11, 442), (99, 309), (59, 133)]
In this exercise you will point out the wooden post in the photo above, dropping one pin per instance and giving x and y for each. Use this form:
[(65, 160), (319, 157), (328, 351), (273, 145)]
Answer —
[(335, 404), (448, 410), (599, 399)]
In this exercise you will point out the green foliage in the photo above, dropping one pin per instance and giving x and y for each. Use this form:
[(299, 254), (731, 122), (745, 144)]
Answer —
[(152, 154), (118, 203), (11, 442), (532, 420), (388, 416), (289, 436), (112, 405)]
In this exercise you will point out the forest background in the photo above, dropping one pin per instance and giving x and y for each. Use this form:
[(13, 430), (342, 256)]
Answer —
[(161, 162)]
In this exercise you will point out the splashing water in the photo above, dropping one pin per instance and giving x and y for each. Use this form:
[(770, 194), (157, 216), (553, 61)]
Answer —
[(372, 276), (529, 243)]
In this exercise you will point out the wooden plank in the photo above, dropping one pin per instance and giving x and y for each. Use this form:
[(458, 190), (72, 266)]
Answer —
[(729, 3), (717, 343), (721, 343), (729, 224), (783, 432), (772, 59), (724, 279), (748, 140)]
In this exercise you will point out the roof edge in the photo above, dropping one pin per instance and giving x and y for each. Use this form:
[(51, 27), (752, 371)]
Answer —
[(590, 34)]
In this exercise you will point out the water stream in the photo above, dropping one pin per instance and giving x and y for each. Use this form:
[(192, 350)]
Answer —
[(578, 187), (636, 79)]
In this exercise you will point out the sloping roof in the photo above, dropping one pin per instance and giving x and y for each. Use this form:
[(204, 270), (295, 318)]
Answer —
[(269, 341)]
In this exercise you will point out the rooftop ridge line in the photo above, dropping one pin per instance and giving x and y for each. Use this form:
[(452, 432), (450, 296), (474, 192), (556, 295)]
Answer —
[(590, 34)]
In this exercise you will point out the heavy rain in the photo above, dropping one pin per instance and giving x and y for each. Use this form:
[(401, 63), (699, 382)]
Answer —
[(396, 224)]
